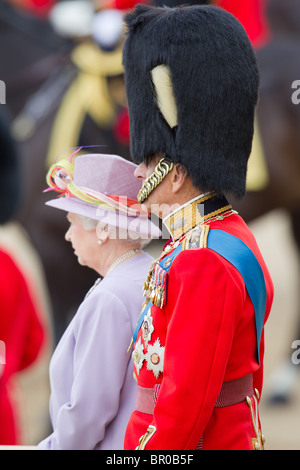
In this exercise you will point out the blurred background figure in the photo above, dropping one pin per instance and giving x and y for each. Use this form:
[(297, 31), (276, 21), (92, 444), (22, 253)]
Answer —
[(31, 56), (39, 8), (11, 177), (21, 329), (252, 15)]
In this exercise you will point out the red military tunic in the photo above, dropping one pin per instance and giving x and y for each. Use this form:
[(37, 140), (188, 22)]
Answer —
[(23, 334), (204, 335)]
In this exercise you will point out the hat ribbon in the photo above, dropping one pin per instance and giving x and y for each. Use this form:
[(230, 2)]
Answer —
[(60, 179)]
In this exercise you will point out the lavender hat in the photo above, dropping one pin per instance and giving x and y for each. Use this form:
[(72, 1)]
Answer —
[(102, 187)]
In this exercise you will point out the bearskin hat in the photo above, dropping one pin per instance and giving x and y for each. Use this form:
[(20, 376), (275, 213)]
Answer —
[(192, 84)]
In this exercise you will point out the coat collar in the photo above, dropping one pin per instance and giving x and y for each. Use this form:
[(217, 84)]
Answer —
[(196, 211)]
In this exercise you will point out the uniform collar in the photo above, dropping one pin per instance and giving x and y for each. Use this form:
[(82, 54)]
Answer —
[(196, 211)]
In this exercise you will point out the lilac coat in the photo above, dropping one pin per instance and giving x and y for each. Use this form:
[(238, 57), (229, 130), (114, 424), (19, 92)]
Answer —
[(91, 375)]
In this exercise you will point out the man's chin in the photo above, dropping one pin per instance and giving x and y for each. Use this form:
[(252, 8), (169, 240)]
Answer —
[(161, 210)]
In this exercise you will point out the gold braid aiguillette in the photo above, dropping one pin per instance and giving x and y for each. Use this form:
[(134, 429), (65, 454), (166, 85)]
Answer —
[(160, 172)]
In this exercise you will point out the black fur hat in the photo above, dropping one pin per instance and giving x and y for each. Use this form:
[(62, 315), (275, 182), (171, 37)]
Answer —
[(198, 108)]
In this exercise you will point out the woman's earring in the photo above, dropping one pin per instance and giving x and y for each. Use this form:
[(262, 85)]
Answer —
[(100, 242)]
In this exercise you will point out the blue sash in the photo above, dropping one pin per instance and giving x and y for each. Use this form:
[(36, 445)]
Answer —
[(242, 258)]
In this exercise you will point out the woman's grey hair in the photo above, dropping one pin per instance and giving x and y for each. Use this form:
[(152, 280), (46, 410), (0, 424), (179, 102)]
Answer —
[(88, 223), (115, 232)]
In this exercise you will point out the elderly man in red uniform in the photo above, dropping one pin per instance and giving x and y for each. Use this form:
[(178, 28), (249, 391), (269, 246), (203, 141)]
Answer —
[(192, 84)]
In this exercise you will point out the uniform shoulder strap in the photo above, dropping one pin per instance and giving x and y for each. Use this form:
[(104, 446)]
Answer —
[(197, 238)]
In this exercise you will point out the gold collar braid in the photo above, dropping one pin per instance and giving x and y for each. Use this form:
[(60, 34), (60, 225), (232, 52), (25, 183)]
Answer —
[(196, 212)]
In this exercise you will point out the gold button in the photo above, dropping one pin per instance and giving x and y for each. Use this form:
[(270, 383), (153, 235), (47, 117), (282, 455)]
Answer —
[(155, 358)]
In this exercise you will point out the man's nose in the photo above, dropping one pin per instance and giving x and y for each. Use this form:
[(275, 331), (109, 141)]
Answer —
[(140, 171)]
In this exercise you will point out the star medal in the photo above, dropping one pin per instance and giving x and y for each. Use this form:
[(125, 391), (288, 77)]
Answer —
[(138, 356), (155, 357)]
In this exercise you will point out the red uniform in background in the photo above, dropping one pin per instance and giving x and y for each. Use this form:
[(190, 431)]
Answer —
[(40, 8), (252, 15), (22, 334)]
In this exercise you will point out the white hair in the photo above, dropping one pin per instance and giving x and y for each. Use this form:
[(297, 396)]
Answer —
[(88, 223), (115, 232)]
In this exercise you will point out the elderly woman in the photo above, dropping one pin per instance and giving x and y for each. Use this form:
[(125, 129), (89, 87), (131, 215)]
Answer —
[(92, 386)]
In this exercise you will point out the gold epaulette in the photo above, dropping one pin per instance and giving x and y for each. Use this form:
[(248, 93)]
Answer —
[(197, 238)]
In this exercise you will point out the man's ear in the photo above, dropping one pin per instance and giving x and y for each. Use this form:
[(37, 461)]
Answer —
[(178, 177)]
